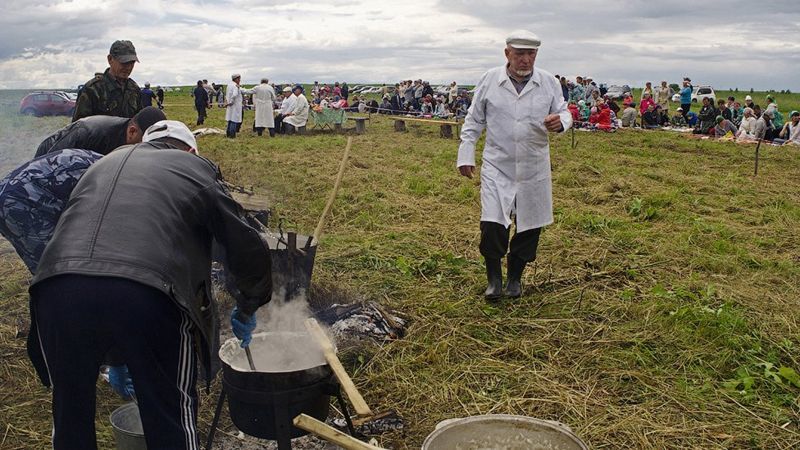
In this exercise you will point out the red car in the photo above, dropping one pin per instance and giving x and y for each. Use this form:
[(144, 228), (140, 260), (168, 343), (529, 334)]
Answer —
[(47, 103)]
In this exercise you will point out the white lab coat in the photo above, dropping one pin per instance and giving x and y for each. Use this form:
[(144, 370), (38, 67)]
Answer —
[(263, 98), (233, 95), (516, 156), (287, 105), (299, 115)]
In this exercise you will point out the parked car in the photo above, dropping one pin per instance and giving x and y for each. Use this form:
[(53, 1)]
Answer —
[(618, 92), (47, 103), (703, 91)]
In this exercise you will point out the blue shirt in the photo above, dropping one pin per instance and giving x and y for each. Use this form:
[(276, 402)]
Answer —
[(686, 95), (147, 97)]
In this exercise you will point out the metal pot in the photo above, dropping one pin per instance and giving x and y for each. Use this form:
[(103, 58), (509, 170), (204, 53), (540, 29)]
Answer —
[(263, 404)]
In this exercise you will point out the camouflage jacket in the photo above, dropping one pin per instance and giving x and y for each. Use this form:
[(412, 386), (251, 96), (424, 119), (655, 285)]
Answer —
[(678, 121), (33, 196), (103, 95)]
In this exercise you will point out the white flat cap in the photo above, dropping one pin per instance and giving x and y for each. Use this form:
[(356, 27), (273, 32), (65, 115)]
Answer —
[(287, 89), (172, 129), (523, 39), (235, 76)]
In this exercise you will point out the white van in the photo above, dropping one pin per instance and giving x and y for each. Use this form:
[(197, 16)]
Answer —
[(703, 91)]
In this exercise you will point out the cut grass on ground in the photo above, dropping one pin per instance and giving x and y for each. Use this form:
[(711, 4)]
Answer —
[(662, 311)]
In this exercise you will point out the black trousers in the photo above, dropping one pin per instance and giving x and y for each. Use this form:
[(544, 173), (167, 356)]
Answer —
[(685, 107), (79, 318), (201, 114), (279, 124), (260, 131), (494, 242)]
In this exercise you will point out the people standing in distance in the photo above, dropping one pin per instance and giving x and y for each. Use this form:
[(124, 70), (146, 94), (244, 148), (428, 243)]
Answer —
[(234, 97), (517, 104), (112, 93), (263, 99), (201, 101), (148, 95)]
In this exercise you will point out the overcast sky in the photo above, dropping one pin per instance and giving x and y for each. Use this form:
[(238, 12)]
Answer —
[(726, 43)]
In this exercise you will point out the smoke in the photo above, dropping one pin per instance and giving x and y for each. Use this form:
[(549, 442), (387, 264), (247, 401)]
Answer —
[(282, 315)]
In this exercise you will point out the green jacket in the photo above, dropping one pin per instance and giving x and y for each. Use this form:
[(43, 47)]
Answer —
[(103, 95)]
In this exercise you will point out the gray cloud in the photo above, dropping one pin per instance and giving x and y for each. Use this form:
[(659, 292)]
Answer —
[(730, 43)]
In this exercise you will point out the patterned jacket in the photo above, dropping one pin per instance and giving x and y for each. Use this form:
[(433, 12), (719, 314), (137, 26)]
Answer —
[(103, 95), (33, 196)]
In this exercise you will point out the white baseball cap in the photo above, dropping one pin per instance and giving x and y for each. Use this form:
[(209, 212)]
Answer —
[(747, 97), (523, 39), (172, 129)]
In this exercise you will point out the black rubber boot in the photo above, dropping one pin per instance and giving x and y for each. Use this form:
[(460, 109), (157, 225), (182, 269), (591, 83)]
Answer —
[(515, 268), (494, 275)]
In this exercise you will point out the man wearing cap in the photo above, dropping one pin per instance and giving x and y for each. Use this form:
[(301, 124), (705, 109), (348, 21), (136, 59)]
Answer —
[(517, 104), (148, 95), (128, 269), (113, 93), (678, 121), (101, 134), (287, 106), (299, 114), (233, 104)]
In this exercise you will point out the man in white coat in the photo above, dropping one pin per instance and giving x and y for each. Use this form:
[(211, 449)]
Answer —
[(299, 115), (263, 99), (287, 106), (234, 96), (518, 105)]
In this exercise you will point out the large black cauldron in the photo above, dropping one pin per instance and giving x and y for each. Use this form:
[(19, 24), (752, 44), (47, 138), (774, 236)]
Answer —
[(263, 404)]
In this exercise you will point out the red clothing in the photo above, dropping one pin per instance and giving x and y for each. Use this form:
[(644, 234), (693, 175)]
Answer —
[(573, 109), (604, 119), (645, 103), (594, 117)]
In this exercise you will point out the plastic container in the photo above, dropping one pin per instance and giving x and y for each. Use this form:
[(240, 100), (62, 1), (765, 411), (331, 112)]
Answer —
[(127, 427), (502, 432)]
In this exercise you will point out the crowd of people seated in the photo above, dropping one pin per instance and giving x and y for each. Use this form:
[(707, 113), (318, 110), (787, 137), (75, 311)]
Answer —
[(592, 108)]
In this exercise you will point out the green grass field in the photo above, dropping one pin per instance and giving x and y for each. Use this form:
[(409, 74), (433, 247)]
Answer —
[(663, 311)]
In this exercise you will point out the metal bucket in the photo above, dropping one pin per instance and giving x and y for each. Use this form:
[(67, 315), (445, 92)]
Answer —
[(127, 426), (502, 432)]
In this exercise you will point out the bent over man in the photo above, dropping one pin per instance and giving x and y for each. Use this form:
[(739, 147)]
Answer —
[(128, 269), (517, 104)]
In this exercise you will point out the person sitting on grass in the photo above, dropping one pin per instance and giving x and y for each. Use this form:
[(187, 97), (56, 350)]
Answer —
[(790, 132), (629, 116), (663, 117), (722, 107), (763, 129), (604, 122), (707, 116), (678, 121), (627, 99), (646, 102), (385, 106), (777, 117), (723, 127), (650, 119), (441, 109), (573, 109), (584, 110), (747, 128)]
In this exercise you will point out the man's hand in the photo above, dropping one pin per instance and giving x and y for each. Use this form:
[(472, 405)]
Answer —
[(243, 326), (553, 123), (120, 381), (466, 171)]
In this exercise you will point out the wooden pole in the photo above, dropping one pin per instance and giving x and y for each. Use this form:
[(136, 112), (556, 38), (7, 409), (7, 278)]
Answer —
[(331, 434), (573, 138), (361, 407), (755, 171), (332, 197)]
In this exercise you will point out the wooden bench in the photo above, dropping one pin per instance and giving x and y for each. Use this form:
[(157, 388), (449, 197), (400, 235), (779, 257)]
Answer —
[(361, 124), (445, 126)]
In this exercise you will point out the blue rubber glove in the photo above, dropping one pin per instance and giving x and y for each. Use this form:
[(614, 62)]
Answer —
[(121, 382), (243, 326)]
